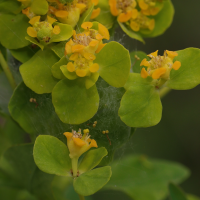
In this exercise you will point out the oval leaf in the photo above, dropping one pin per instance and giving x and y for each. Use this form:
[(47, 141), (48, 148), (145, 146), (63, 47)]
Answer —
[(188, 75), (73, 103), (176, 193), (92, 181), (36, 72), (52, 156), (140, 105), (55, 69), (92, 159), (114, 64)]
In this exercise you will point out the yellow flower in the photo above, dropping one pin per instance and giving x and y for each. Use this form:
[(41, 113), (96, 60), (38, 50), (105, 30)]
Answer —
[(83, 48), (43, 30), (124, 9), (140, 21), (150, 7), (78, 143), (159, 67)]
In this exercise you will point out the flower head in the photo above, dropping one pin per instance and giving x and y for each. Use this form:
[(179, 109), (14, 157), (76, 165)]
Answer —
[(159, 67), (78, 143), (83, 48), (150, 7), (42, 30)]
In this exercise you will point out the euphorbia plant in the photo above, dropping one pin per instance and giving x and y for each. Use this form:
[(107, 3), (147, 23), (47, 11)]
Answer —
[(82, 96)]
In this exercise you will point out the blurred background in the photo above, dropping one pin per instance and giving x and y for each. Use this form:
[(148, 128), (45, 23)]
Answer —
[(177, 136)]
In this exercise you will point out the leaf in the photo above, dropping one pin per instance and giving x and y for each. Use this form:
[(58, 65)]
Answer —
[(105, 17), (136, 59), (39, 7), (90, 182), (140, 106), (36, 72), (55, 69), (24, 54), (144, 179), (92, 159), (192, 197), (11, 36), (114, 64), (176, 193), (59, 49), (5, 93), (69, 75), (17, 162), (74, 104), (10, 6), (66, 32), (84, 18), (51, 155), (188, 75), (40, 44)]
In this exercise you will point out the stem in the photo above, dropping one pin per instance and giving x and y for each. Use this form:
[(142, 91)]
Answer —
[(81, 197), (7, 71), (74, 166), (164, 91)]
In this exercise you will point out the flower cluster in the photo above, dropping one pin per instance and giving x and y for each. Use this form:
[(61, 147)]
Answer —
[(67, 12), (43, 30), (83, 48), (135, 16), (78, 143), (159, 67)]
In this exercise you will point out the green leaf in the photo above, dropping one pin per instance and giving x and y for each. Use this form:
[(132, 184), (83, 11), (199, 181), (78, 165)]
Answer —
[(10, 6), (17, 162), (36, 72), (11, 36), (144, 179), (5, 93), (114, 64), (41, 185), (66, 32), (92, 159), (59, 49), (176, 193), (40, 44), (188, 75), (140, 105), (90, 182), (56, 70), (24, 54), (192, 197), (84, 18), (67, 74), (136, 59), (51, 155), (105, 17), (73, 103), (39, 7)]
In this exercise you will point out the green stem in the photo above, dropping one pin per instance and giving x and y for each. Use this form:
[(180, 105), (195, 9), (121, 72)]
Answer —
[(81, 197), (164, 91), (74, 166), (7, 71)]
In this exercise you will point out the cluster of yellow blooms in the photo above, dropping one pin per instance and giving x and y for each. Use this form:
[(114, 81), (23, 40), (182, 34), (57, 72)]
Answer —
[(78, 143), (127, 12), (160, 66), (67, 13), (83, 48)]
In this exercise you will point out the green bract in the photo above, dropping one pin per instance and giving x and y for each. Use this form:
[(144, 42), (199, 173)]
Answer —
[(52, 156)]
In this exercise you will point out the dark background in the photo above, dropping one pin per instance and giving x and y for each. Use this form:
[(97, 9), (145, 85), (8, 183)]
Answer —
[(177, 136)]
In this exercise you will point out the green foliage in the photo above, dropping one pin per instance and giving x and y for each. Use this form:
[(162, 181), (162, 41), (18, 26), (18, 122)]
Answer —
[(39, 7), (11, 36), (188, 76), (110, 60), (95, 179), (51, 155), (56, 69), (144, 179), (10, 6), (74, 104), (36, 72), (92, 159), (140, 105), (59, 49), (176, 193)]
